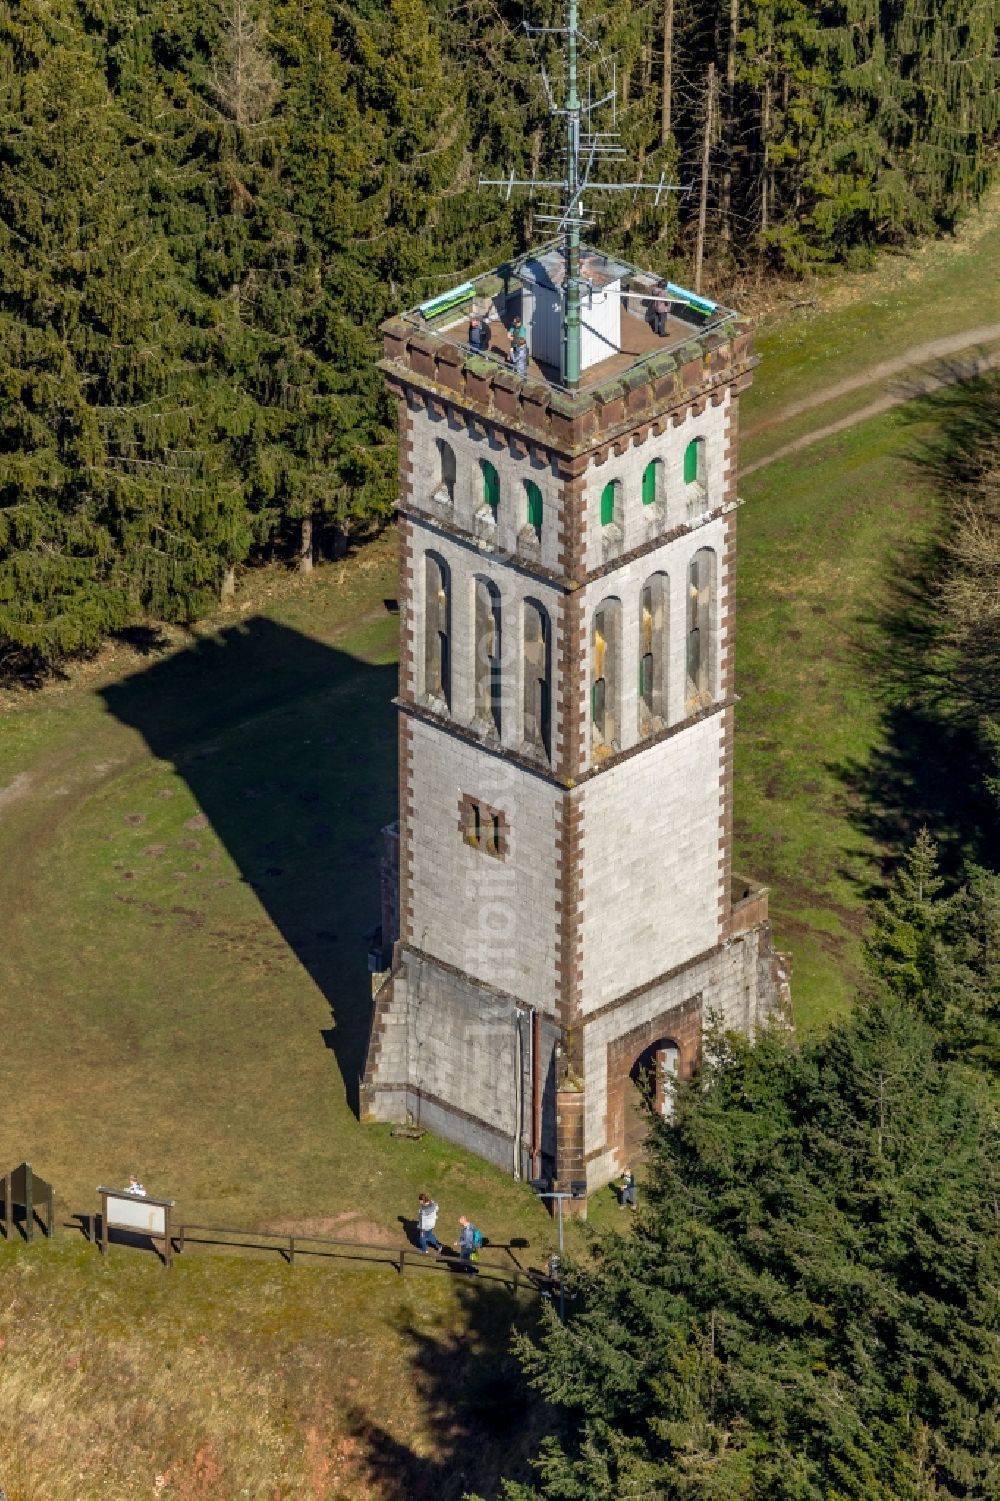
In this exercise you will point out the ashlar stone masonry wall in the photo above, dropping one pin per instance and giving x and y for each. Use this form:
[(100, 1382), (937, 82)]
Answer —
[(455, 1056), (465, 563), (494, 918), (472, 441), (626, 583), (651, 866), (636, 520), (733, 982)]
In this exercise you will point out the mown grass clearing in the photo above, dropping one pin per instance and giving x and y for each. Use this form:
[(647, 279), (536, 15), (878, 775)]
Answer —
[(189, 876), (231, 1377), (823, 547)]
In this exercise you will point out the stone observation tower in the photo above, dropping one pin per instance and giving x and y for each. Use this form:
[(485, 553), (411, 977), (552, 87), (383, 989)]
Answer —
[(559, 905)]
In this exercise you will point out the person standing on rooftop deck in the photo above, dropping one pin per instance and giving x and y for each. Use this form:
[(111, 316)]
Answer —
[(517, 330), (659, 311), (477, 333)]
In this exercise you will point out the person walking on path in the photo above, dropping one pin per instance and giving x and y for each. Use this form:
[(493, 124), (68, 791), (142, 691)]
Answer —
[(469, 1241), (427, 1213), (629, 1197)]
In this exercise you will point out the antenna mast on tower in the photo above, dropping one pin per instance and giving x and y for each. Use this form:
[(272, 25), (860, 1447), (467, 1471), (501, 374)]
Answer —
[(569, 216)]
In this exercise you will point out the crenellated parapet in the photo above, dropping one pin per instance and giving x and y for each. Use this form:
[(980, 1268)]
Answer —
[(670, 381)]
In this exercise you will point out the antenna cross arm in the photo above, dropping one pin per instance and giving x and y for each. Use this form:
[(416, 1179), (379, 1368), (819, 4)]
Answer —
[(633, 187), (559, 31), (519, 182)]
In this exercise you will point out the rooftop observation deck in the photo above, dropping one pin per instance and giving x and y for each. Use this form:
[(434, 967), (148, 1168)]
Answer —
[(631, 360)]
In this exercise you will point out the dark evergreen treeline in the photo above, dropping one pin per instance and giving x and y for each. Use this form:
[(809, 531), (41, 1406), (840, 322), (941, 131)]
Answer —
[(807, 1307), (206, 208)]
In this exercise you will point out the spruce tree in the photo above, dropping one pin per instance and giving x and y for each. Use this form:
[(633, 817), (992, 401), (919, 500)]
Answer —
[(900, 950), (113, 498), (967, 998), (807, 1305)]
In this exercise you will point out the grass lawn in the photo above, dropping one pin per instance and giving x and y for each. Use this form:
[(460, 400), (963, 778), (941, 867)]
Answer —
[(818, 545), (189, 875), (231, 1377)]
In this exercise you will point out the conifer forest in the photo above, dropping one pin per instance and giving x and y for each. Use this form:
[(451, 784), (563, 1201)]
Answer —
[(207, 208)]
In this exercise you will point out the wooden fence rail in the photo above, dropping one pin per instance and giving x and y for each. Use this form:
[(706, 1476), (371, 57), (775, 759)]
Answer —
[(400, 1258)]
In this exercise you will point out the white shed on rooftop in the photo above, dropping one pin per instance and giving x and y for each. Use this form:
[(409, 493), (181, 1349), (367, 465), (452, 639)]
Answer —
[(542, 307)]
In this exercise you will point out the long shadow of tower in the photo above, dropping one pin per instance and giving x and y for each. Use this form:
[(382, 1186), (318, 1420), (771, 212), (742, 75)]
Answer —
[(288, 746)]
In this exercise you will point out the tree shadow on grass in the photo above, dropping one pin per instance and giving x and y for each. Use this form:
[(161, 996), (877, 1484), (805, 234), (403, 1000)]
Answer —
[(486, 1422), (931, 766), (288, 746)]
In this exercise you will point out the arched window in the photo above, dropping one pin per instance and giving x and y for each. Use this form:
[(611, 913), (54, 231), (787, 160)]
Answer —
[(437, 628), (446, 470), (700, 686), (694, 463), (609, 502), (535, 506), (605, 657), (487, 654), (537, 695), (654, 655), (652, 482), (491, 485)]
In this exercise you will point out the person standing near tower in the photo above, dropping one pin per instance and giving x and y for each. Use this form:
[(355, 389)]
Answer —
[(659, 311), (427, 1213), (469, 1241)]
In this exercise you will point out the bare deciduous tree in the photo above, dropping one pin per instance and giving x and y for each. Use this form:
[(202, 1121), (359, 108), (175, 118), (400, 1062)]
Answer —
[(244, 80)]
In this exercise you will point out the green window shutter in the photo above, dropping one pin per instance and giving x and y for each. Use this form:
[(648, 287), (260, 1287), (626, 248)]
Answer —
[(491, 485), (534, 506), (691, 462), (649, 484), (608, 504)]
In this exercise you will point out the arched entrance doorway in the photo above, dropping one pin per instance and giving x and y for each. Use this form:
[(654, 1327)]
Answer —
[(664, 1047), (652, 1076)]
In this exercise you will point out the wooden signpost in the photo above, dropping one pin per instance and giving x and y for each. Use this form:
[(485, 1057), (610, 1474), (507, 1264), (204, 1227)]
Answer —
[(22, 1189), (121, 1210)]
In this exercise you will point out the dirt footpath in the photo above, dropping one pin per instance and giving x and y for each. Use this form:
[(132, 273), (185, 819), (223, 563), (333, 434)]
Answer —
[(912, 375)]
